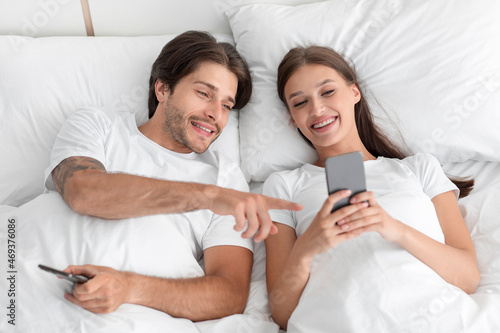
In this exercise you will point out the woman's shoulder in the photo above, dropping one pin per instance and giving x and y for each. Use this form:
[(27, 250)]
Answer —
[(421, 161), (419, 165), (307, 170), (281, 177), (289, 180)]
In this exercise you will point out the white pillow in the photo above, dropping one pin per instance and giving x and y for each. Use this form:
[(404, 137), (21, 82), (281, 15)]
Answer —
[(44, 80), (432, 65)]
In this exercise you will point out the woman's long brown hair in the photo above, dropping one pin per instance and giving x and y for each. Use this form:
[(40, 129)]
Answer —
[(371, 135)]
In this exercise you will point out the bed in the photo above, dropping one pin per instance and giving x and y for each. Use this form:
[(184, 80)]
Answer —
[(433, 79)]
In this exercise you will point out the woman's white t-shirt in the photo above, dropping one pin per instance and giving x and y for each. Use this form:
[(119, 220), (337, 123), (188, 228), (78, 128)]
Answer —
[(404, 188), (368, 284)]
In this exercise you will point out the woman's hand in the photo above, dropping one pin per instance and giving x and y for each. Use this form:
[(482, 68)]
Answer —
[(325, 232), (372, 218)]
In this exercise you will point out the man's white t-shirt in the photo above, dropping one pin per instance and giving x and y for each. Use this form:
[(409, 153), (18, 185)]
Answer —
[(113, 139)]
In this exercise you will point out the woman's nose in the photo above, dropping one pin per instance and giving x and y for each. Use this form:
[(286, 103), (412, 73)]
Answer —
[(317, 107)]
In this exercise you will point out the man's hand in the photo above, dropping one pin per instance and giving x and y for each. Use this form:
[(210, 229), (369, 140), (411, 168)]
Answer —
[(249, 207), (222, 291), (106, 290)]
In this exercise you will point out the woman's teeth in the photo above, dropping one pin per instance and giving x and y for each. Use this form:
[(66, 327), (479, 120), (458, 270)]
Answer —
[(324, 123)]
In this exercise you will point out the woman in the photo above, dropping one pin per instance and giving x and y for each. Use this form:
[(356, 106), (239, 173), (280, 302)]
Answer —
[(410, 202)]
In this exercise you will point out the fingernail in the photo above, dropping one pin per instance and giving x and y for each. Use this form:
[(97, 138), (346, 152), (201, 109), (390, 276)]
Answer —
[(353, 200), (344, 227), (340, 222), (364, 204)]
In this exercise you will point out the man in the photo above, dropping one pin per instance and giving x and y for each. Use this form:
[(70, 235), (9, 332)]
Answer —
[(104, 166)]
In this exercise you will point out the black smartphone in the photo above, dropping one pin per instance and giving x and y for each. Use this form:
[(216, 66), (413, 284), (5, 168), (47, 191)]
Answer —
[(345, 172), (64, 275)]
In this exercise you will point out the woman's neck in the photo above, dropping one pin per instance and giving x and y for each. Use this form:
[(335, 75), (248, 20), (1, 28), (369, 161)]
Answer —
[(338, 149)]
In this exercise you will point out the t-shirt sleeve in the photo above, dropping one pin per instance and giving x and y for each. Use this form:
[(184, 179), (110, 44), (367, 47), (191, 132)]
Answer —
[(276, 186), (83, 134), (220, 230), (431, 176)]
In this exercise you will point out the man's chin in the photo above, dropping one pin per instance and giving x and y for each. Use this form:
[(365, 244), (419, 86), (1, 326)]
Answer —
[(199, 145), (200, 149)]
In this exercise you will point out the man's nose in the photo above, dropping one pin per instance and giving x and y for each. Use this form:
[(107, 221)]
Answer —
[(213, 111)]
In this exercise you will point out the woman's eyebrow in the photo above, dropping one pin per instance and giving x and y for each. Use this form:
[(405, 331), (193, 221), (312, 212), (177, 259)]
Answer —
[(322, 83), (297, 93)]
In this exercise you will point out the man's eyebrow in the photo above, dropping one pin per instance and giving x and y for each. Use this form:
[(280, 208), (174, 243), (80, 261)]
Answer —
[(322, 83), (214, 88)]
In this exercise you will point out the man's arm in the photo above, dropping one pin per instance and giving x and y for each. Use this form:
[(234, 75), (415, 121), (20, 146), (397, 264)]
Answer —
[(89, 189), (223, 291)]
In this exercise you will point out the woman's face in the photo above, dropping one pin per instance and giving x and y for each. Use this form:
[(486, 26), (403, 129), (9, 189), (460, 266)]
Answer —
[(321, 104)]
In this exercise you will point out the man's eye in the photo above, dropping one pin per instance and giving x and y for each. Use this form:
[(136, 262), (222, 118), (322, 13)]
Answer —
[(203, 93), (227, 107)]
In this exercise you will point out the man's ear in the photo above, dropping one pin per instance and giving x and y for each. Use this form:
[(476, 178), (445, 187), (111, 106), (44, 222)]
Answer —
[(161, 91)]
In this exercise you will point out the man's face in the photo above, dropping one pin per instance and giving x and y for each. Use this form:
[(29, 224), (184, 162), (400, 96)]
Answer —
[(198, 109)]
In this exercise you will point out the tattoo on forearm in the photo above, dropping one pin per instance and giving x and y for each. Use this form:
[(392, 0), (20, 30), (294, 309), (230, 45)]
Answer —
[(67, 168)]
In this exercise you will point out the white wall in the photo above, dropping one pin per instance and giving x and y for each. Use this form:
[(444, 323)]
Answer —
[(39, 18), (119, 17)]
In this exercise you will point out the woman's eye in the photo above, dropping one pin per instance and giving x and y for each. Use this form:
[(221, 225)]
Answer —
[(328, 92), (296, 105)]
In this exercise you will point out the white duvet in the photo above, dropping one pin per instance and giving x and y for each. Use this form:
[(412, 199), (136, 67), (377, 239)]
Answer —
[(386, 292), (48, 232)]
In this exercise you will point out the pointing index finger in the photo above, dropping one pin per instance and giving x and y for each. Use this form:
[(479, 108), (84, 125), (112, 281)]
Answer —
[(275, 203)]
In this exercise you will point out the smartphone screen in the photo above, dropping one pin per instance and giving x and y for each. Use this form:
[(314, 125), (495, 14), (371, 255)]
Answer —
[(345, 172), (64, 275)]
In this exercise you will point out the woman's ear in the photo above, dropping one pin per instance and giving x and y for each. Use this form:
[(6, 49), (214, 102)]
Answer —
[(161, 90), (293, 121), (357, 93)]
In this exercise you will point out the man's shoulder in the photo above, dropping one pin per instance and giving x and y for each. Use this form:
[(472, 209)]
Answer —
[(101, 113), (229, 171)]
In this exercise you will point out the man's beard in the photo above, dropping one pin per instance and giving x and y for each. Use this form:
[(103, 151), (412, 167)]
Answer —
[(174, 122)]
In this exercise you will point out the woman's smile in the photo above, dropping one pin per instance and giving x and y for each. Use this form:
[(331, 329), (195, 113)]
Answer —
[(324, 124)]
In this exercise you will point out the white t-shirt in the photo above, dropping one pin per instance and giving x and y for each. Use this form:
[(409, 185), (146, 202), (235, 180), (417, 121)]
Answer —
[(404, 188), (114, 139), (368, 284)]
